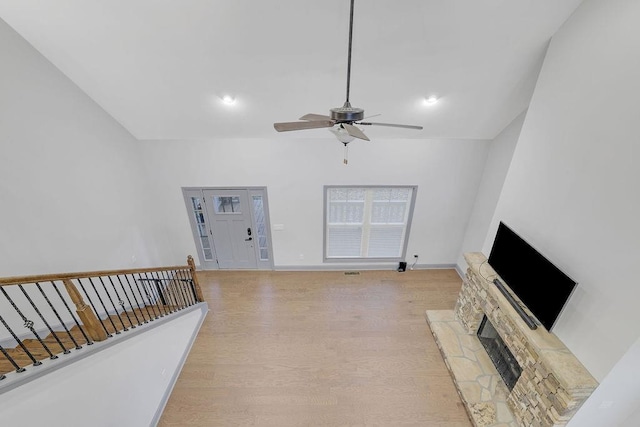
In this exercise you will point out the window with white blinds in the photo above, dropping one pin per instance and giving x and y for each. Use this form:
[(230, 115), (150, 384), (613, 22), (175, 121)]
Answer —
[(369, 223)]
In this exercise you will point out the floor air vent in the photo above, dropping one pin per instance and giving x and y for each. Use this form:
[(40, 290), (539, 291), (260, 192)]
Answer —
[(351, 273)]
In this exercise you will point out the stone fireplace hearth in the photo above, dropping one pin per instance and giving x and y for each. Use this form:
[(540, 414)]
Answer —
[(552, 385)]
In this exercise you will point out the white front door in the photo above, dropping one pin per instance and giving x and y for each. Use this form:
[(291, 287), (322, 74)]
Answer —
[(232, 228)]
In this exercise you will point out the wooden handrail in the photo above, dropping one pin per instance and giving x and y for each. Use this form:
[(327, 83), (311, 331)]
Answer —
[(19, 280)]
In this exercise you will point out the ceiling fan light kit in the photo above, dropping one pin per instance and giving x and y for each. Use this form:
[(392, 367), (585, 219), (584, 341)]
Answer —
[(228, 100), (432, 100), (345, 117)]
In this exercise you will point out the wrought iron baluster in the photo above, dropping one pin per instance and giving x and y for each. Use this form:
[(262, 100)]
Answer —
[(94, 307), (171, 283), (164, 287), (184, 287), (133, 310), (114, 308), (152, 291), (166, 290), (160, 287), (28, 324), (140, 282), (84, 334), (176, 289), (13, 362), (180, 283), (180, 286), (152, 295), (152, 284), (22, 346), (171, 292), (58, 316), (192, 284), (126, 277), (55, 336), (158, 283), (146, 292), (191, 287), (120, 303)]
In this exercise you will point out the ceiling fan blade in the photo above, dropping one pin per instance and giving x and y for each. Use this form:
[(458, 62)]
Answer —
[(314, 117), (288, 126), (391, 125), (373, 115), (355, 132)]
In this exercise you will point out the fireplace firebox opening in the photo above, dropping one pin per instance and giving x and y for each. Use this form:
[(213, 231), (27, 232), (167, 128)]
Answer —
[(502, 358)]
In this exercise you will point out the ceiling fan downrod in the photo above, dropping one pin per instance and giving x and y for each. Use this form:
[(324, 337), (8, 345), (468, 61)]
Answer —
[(349, 52)]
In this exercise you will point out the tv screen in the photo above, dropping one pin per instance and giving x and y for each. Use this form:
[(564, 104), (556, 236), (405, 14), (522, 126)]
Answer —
[(539, 284)]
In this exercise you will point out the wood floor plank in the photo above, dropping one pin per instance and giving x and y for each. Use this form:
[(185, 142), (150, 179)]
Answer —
[(318, 349)]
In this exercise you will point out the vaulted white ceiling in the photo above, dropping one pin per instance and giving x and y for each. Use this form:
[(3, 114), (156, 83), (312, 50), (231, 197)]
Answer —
[(159, 67)]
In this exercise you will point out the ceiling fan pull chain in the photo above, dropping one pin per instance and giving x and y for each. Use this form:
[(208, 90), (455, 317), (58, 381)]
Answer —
[(346, 154)]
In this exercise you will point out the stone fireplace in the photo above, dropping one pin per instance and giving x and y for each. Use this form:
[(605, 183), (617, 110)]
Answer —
[(541, 384)]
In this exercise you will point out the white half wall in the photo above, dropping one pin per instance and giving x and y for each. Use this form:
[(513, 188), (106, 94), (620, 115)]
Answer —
[(294, 170), (633, 420), (616, 402), (498, 160), (571, 190), (72, 193), (125, 385)]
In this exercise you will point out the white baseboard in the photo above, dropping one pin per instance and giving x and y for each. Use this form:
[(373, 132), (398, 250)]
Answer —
[(460, 271), (360, 267)]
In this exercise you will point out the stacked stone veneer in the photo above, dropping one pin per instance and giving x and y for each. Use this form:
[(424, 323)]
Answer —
[(553, 383)]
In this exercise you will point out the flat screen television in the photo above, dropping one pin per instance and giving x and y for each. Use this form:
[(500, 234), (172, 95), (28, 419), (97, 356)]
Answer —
[(539, 284)]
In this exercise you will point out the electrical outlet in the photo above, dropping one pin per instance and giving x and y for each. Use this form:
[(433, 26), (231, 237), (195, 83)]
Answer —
[(606, 404), (301, 256), (133, 259)]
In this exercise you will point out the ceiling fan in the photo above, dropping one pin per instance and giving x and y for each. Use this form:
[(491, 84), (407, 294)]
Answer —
[(344, 117)]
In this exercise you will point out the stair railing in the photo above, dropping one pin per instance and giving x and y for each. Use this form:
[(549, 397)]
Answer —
[(65, 312)]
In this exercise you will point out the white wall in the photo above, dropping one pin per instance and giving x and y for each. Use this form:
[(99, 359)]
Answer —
[(294, 171), (123, 385), (571, 190), (633, 420), (617, 400), (70, 179), (495, 170)]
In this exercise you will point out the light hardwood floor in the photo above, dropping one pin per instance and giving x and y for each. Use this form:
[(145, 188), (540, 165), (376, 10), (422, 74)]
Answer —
[(318, 349)]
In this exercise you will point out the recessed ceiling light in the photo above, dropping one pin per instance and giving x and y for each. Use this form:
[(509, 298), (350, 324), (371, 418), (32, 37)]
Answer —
[(432, 100), (228, 99)]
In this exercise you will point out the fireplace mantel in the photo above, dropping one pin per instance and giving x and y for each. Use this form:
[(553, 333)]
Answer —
[(553, 384)]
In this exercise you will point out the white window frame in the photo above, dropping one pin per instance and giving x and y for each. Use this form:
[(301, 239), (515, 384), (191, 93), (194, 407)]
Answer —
[(367, 223)]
